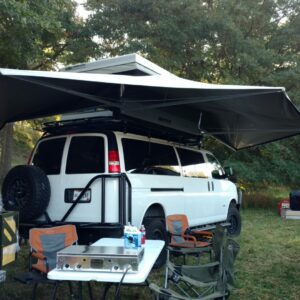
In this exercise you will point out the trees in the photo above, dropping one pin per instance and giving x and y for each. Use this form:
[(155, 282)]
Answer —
[(36, 35), (234, 41), (243, 42)]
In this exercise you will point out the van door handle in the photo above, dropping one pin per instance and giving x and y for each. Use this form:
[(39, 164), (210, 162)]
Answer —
[(212, 186), (208, 185)]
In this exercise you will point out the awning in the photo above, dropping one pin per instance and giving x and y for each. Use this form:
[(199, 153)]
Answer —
[(238, 116)]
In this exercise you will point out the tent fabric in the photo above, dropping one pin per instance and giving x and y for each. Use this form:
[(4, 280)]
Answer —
[(238, 116)]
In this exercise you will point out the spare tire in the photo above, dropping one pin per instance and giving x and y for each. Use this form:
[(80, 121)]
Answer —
[(27, 190)]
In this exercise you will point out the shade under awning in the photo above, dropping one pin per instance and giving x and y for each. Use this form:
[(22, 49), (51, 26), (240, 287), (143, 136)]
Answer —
[(238, 116)]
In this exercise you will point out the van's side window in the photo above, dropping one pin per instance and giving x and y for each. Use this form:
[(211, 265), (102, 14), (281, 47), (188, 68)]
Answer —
[(149, 158), (192, 163), (86, 155), (48, 155)]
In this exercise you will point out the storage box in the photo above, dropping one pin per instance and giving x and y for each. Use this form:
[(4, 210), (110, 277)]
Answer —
[(290, 214), (284, 203), (9, 223)]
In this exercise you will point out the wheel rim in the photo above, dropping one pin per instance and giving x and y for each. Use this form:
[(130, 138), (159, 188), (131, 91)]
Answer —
[(19, 193)]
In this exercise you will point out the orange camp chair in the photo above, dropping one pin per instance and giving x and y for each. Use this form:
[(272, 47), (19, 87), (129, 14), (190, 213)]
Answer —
[(44, 244), (184, 237)]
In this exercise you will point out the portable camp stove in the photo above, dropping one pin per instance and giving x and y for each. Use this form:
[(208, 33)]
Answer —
[(99, 258)]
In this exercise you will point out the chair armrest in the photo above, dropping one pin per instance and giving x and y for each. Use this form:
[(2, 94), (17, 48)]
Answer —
[(38, 255), (189, 237), (201, 232)]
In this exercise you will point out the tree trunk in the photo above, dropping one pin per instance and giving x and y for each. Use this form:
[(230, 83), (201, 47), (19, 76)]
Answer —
[(6, 140)]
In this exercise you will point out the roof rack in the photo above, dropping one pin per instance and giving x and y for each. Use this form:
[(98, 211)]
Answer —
[(118, 122)]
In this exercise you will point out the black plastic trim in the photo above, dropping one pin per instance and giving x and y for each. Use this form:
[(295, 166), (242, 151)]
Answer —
[(167, 189)]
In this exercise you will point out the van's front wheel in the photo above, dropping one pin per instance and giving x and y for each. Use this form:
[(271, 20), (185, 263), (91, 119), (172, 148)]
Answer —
[(235, 221), (156, 230)]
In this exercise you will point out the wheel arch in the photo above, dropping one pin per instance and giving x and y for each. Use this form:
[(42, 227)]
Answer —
[(235, 203), (155, 210)]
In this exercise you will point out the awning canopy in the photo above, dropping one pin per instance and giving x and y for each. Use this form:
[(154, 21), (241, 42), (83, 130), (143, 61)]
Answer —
[(238, 116)]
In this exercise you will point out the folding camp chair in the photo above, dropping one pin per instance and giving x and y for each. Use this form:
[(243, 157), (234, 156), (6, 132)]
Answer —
[(184, 240), (208, 281), (183, 236), (44, 244)]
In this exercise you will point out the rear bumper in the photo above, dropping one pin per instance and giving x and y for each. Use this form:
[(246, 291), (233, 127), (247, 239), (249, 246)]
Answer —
[(87, 232)]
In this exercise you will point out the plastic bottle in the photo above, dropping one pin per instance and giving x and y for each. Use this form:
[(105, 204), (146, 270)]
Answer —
[(143, 232)]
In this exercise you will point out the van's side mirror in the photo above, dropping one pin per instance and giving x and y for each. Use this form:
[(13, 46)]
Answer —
[(230, 174), (216, 174), (228, 171)]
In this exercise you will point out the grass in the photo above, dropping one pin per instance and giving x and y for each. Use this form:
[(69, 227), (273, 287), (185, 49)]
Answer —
[(268, 265)]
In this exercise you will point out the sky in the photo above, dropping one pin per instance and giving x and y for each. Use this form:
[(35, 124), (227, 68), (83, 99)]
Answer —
[(81, 11)]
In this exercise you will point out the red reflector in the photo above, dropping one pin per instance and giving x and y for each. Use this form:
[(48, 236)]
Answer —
[(113, 162)]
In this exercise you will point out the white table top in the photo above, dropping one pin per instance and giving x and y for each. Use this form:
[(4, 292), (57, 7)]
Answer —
[(152, 251)]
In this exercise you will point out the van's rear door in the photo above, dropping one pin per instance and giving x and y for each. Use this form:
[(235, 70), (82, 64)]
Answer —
[(84, 157)]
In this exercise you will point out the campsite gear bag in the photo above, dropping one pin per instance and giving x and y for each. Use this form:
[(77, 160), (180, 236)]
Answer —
[(295, 200)]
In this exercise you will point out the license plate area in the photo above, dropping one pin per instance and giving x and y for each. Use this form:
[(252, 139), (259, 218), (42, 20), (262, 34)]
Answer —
[(72, 194)]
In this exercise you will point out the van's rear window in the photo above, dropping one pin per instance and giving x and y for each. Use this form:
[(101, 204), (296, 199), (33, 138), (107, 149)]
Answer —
[(48, 155), (86, 155)]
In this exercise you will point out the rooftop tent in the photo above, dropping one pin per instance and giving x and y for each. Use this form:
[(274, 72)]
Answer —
[(238, 116)]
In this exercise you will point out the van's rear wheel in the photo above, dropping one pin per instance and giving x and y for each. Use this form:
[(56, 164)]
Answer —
[(27, 190), (156, 230), (235, 221)]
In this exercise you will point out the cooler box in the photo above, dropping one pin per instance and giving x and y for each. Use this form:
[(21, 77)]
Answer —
[(295, 200), (9, 222), (284, 203)]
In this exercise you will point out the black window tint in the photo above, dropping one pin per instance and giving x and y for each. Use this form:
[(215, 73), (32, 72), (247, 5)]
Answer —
[(193, 164), (48, 155), (86, 155), (141, 155)]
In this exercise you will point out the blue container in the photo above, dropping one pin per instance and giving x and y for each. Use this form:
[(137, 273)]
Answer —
[(132, 240)]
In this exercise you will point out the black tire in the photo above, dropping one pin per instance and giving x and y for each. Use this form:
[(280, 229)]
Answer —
[(27, 190), (156, 230), (234, 218)]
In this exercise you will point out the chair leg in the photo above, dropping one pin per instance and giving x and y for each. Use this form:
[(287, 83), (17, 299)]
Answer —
[(55, 290), (167, 270), (90, 291), (34, 291), (71, 289)]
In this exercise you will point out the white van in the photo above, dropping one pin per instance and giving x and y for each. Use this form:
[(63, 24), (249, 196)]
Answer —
[(86, 173)]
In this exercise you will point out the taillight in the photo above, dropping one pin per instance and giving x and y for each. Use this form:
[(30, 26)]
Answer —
[(113, 162)]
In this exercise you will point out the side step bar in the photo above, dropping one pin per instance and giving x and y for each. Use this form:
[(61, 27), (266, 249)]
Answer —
[(212, 226)]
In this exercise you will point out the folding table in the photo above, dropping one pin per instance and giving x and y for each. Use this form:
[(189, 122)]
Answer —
[(152, 250)]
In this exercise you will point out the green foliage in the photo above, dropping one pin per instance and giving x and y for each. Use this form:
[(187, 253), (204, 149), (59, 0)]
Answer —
[(36, 34), (25, 137)]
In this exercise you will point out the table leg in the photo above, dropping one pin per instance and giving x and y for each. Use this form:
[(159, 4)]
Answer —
[(90, 291), (79, 289), (107, 287)]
